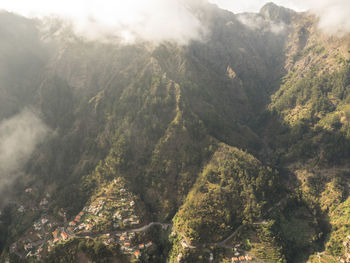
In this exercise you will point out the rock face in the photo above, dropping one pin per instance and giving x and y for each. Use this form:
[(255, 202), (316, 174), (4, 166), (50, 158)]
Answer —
[(241, 129), (277, 13)]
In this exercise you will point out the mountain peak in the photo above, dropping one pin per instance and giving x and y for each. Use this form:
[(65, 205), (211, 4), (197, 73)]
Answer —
[(276, 13)]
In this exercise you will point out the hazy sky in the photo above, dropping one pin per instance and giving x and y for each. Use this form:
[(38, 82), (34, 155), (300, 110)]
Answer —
[(154, 20), (157, 20), (255, 5), (81, 7)]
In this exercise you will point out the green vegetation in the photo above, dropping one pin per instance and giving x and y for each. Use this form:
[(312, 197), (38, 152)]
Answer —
[(143, 133), (75, 250), (234, 188), (316, 108), (266, 244)]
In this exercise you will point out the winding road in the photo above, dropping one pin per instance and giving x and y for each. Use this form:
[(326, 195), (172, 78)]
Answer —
[(166, 226)]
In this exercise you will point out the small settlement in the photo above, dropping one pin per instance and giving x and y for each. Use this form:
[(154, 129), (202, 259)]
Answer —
[(115, 204)]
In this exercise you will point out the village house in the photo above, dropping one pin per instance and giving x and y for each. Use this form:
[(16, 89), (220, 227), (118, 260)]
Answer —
[(44, 202), (28, 246), (55, 233), (37, 226), (241, 258), (117, 215), (184, 244), (135, 222), (28, 190), (142, 246), (64, 236), (110, 241), (137, 253), (248, 258), (179, 257), (149, 244), (235, 259), (124, 238)]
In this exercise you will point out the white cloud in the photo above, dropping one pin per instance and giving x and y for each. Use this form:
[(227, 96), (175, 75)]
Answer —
[(255, 5), (259, 23), (334, 14), (154, 20), (19, 136), (159, 20)]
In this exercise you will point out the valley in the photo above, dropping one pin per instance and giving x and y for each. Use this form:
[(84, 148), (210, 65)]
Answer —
[(231, 148)]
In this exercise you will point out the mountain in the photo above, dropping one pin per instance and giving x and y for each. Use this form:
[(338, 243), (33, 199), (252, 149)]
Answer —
[(233, 145)]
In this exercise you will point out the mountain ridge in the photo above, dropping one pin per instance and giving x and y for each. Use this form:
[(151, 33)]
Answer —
[(208, 135)]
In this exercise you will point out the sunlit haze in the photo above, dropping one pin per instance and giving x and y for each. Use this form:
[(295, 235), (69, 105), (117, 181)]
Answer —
[(158, 20)]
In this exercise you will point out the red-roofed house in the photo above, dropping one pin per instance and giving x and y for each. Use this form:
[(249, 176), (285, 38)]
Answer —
[(64, 236), (137, 253), (55, 233)]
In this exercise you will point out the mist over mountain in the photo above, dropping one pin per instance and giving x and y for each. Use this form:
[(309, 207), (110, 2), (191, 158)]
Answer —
[(180, 132), (19, 138)]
